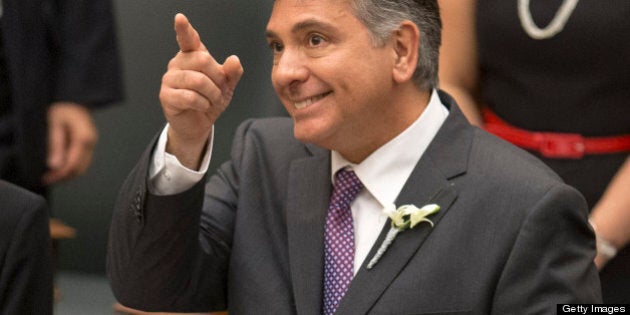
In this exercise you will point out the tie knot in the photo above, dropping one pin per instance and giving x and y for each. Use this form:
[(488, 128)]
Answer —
[(347, 186)]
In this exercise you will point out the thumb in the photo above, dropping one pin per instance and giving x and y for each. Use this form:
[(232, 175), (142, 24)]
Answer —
[(233, 71)]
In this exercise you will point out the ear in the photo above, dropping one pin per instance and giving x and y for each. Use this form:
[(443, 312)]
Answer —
[(405, 43)]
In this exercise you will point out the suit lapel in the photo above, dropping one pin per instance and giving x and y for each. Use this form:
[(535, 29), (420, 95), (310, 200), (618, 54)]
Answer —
[(307, 203), (445, 158), (368, 285)]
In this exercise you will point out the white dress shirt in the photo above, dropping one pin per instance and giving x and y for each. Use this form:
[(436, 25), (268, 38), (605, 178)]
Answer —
[(167, 176), (383, 174)]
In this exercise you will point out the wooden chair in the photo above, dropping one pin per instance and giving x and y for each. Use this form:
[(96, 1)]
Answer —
[(58, 231), (61, 231)]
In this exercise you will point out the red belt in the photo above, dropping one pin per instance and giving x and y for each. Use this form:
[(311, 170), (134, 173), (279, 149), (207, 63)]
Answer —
[(555, 145)]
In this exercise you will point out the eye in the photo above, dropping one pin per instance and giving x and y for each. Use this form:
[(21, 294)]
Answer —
[(276, 47), (315, 40)]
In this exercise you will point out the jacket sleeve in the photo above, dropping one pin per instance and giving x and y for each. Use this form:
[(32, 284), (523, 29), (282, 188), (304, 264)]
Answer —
[(26, 275), (171, 253), (550, 263)]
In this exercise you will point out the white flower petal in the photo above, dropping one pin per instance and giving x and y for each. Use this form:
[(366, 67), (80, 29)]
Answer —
[(430, 209), (390, 210), (408, 209), (421, 214), (397, 216)]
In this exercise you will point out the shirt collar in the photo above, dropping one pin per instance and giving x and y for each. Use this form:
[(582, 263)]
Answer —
[(387, 169)]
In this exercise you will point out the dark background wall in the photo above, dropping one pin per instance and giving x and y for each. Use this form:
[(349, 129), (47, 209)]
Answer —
[(147, 42)]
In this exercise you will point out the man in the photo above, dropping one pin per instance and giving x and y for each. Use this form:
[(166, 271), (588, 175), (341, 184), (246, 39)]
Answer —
[(58, 60), (25, 269), (291, 223)]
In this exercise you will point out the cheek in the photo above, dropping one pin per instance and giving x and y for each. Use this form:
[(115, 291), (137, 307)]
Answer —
[(278, 89), (288, 107), (358, 71), (274, 81)]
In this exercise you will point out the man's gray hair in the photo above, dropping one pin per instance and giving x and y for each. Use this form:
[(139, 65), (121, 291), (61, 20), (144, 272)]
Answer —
[(383, 17)]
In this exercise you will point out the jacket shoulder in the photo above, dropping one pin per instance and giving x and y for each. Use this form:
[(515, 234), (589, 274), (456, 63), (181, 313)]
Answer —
[(270, 137), (268, 129), (508, 162), (15, 200)]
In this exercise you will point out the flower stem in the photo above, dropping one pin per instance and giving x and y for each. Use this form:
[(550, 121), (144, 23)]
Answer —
[(391, 235)]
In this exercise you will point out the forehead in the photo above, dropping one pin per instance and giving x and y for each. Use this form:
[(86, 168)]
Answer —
[(289, 14)]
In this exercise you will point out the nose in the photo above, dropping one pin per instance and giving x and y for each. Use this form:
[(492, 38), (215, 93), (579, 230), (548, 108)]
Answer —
[(290, 69)]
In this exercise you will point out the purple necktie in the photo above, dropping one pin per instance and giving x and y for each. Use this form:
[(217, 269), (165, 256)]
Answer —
[(339, 239)]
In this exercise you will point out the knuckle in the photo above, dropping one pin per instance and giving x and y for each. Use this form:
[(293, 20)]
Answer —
[(172, 63), (193, 80), (205, 58), (164, 95), (188, 97), (167, 77), (175, 62), (216, 95), (202, 59)]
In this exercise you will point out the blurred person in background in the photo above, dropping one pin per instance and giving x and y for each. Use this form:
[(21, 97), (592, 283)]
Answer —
[(58, 60), (553, 77), (25, 267)]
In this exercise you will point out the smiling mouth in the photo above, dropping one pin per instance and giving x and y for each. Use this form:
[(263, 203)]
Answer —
[(311, 100)]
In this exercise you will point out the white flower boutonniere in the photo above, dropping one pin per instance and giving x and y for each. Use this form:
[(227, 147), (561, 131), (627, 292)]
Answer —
[(405, 217)]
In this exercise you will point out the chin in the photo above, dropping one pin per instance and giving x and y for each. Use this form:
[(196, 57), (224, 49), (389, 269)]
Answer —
[(308, 135), (320, 130), (302, 135)]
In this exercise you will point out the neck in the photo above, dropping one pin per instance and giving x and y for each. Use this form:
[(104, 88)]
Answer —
[(401, 110)]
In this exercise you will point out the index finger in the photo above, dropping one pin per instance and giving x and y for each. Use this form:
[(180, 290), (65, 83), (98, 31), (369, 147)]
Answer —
[(187, 37)]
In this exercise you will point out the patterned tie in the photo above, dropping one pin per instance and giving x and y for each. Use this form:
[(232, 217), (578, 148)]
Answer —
[(339, 239)]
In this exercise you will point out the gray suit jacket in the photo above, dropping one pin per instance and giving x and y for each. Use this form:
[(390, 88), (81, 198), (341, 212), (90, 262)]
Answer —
[(510, 238)]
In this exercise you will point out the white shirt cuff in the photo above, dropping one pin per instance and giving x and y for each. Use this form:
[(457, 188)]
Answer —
[(167, 176)]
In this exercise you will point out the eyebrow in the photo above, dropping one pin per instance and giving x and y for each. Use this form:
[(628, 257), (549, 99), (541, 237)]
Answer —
[(306, 24)]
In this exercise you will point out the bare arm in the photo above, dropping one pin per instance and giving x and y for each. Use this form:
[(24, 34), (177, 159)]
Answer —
[(458, 56), (611, 215)]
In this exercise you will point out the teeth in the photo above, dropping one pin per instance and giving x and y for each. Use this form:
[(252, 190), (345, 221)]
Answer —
[(310, 101), (303, 104)]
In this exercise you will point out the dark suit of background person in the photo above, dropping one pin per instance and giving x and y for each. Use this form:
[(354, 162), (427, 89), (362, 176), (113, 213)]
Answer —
[(53, 50), (510, 237), (25, 262)]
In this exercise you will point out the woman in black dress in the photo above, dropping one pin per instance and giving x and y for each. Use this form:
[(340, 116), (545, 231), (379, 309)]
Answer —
[(553, 77)]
